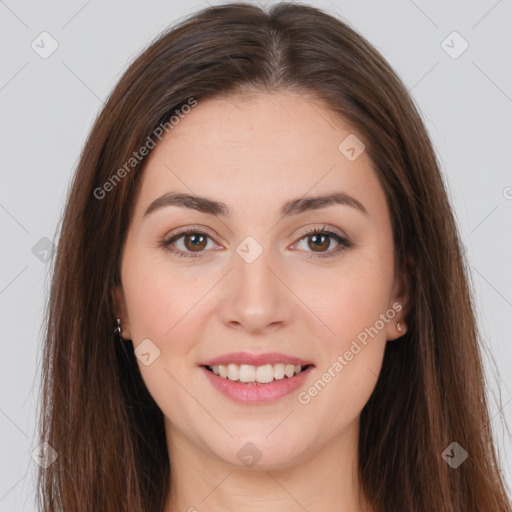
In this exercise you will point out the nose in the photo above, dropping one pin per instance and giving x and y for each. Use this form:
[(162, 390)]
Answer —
[(256, 299)]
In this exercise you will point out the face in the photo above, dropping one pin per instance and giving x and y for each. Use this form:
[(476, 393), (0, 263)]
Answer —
[(287, 281)]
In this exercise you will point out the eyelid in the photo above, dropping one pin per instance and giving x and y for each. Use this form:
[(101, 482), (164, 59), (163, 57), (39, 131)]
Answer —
[(207, 231), (178, 233), (339, 236), (324, 228), (189, 229)]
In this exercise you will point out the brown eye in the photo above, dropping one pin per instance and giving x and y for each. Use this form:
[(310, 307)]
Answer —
[(195, 242), (320, 242), (187, 244)]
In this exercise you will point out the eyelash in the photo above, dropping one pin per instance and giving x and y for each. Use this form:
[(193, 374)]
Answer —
[(344, 243)]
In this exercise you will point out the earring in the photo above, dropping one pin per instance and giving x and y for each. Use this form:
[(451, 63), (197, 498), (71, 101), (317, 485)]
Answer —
[(398, 327), (117, 330)]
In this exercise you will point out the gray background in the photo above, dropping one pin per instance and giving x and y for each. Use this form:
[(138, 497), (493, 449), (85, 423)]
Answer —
[(48, 106)]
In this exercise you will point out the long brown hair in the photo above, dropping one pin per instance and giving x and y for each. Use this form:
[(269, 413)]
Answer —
[(95, 409)]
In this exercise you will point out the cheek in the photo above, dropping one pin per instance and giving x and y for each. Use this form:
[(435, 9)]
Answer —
[(158, 298), (351, 299), (356, 312), (161, 307)]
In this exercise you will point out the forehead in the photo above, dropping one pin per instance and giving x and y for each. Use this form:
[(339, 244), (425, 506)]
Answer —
[(251, 152)]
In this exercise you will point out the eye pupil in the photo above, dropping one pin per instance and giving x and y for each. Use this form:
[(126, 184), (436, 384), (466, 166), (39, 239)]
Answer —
[(197, 244), (322, 243)]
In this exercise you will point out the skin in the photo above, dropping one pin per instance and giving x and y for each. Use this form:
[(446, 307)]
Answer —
[(254, 154)]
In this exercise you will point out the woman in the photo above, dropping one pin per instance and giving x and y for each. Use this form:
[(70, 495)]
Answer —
[(259, 297)]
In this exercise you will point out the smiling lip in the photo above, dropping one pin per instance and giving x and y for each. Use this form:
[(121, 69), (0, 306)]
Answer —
[(256, 359), (252, 393)]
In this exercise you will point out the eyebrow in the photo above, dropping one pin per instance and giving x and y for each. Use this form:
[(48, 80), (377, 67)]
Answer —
[(218, 208)]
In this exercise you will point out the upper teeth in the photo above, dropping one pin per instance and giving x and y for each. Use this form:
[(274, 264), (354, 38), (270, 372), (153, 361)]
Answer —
[(261, 374)]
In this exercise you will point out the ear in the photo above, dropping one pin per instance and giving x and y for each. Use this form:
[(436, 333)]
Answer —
[(121, 311), (399, 303)]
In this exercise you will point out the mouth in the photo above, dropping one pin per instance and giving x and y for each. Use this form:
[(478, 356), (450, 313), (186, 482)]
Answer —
[(257, 375)]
